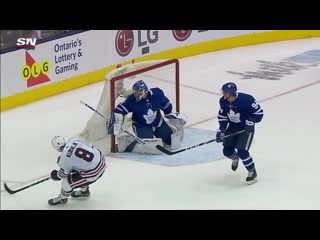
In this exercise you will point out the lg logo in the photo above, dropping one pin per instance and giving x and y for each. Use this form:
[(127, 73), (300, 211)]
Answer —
[(150, 37), (181, 35), (125, 41)]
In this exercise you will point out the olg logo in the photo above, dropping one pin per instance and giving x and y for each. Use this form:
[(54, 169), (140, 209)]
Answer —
[(35, 69), (33, 72)]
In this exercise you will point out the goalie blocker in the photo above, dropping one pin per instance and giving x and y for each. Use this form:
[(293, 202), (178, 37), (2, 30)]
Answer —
[(147, 121)]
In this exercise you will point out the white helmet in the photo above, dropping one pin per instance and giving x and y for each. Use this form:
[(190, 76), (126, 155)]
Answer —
[(58, 143)]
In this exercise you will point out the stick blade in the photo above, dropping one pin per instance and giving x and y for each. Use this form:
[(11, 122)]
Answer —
[(164, 150), (8, 189)]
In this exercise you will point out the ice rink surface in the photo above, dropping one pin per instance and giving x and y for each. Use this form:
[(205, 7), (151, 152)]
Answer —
[(285, 147)]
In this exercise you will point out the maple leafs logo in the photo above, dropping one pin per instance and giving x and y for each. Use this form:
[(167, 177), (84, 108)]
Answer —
[(151, 116), (234, 117)]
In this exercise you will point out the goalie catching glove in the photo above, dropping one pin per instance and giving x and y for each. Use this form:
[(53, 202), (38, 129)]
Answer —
[(115, 123)]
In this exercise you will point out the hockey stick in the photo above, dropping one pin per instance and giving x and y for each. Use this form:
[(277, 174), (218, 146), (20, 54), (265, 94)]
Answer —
[(166, 151), (127, 132), (20, 189)]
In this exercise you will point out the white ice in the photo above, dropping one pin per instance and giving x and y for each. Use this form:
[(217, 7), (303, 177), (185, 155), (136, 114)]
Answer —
[(285, 148)]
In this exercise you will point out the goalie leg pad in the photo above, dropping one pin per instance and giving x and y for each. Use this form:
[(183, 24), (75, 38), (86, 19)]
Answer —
[(176, 139), (149, 147), (123, 142)]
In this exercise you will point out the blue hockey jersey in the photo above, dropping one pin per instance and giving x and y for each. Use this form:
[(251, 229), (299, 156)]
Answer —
[(146, 111), (243, 108)]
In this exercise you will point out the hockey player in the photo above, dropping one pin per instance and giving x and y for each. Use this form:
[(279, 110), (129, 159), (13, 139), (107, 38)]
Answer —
[(147, 121), (80, 164), (238, 111)]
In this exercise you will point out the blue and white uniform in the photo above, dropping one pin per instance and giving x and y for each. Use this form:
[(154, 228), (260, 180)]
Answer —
[(243, 108), (146, 114), (146, 111), (240, 114)]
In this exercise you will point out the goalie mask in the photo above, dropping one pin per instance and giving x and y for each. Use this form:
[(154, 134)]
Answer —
[(58, 143), (140, 90)]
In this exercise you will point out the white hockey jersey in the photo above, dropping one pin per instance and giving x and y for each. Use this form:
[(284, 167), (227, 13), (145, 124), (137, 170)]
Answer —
[(82, 157)]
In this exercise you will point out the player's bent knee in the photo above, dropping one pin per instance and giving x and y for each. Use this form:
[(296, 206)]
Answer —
[(75, 177), (243, 154), (73, 181), (228, 151)]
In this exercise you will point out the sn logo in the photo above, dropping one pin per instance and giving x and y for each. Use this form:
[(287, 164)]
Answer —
[(26, 43)]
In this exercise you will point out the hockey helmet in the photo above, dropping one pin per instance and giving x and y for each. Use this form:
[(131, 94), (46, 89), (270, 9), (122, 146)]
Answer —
[(229, 87), (58, 143)]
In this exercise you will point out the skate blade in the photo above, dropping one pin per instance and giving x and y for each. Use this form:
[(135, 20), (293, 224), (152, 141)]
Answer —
[(252, 181), (80, 198)]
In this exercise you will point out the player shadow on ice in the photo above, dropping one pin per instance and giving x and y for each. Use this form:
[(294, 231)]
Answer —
[(192, 136), (228, 180)]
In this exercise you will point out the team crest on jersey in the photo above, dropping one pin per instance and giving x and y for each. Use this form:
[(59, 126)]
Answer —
[(151, 116), (234, 117)]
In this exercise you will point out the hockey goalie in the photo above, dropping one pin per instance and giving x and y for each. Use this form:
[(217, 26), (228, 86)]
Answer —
[(148, 122)]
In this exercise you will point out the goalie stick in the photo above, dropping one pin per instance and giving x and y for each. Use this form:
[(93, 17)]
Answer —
[(20, 189), (127, 132), (166, 151)]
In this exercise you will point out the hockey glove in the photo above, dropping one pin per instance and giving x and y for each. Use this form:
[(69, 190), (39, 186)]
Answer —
[(249, 126), (54, 175), (219, 136), (115, 123)]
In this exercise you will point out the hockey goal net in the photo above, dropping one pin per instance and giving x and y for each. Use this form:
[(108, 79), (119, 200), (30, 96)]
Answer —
[(163, 74)]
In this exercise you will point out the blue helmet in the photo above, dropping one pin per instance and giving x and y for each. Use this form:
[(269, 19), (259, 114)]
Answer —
[(140, 86), (230, 88)]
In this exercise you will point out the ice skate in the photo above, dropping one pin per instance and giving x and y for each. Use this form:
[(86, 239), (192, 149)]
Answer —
[(80, 194), (235, 163), (252, 177), (58, 200)]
